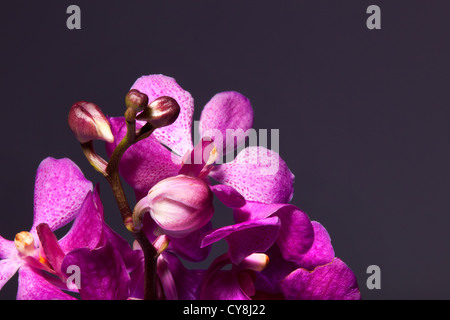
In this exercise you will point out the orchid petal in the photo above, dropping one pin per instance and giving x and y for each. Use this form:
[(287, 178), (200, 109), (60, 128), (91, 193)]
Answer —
[(49, 244), (60, 189), (86, 230), (33, 286), (7, 248), (8, 268), (228, 195), (333, 281), (131, 258), (176, 136), (246, 238), (259, 174), (103, 275), (145, 163), (255, 210), (186, 281), (198, 162), (224, 286), (296, 234), (278, 268), (189, 247), (321, 252), (227, 112)]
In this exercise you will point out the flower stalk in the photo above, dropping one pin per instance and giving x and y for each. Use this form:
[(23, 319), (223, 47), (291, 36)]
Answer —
[(164, 111)]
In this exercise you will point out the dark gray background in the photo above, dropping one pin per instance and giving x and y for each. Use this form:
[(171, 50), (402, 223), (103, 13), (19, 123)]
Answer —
[(363, 115)]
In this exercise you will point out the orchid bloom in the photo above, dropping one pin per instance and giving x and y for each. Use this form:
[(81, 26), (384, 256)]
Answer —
[(302, 261), (60, 191), (62, 194), (275, 251), (169, 151), (150, 160)]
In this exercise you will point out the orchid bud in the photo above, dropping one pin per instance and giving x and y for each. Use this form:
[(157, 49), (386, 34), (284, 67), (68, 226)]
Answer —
[(136, 100), (179, 205), (161, 112), (87, 122)]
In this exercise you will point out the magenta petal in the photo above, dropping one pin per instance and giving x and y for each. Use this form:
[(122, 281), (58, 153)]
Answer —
[(186, 281), (333, 281), (7, 248), (278, 268), (228, 195), (189, 247), (255, 210), (8, 268), (176, 136), (224, 286), (60, 189), (321, 252), (130, 257), (86, 230), (258, 174), (296, 234), (246, 238), (33, 286), (197, 161), (49, 244), (103, 275), (226, 111), (145, 163)]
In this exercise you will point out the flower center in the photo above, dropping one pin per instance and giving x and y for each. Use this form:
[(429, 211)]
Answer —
[(24, 243)]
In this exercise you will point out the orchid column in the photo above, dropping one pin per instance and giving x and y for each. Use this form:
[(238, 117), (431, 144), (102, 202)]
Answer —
[(88, 123)]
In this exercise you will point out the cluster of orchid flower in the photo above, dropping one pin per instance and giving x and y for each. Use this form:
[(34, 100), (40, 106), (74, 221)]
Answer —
[(274, 250)]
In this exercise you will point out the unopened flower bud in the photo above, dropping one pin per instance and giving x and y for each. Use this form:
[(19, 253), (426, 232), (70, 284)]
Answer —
[(179, 205), (24, 243), (161, 112), (87, 122), (136, 100)]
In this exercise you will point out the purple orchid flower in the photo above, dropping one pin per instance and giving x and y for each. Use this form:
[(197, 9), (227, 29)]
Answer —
[(302, 260), (63, 194), (150, 160), (169, 151)]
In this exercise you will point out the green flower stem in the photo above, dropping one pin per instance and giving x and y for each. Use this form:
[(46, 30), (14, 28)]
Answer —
[(94, 159)]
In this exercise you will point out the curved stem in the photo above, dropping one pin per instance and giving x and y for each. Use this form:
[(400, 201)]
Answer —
[(113, 177)]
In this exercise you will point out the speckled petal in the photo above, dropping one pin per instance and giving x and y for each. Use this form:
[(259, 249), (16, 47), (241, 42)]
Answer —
[(87, 227), (259, 174), (230, 115), (333, 281), (103, 275), (33, 286), (7, 248), (8, 268), (177, 136), (145, 163), (60, 189)]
